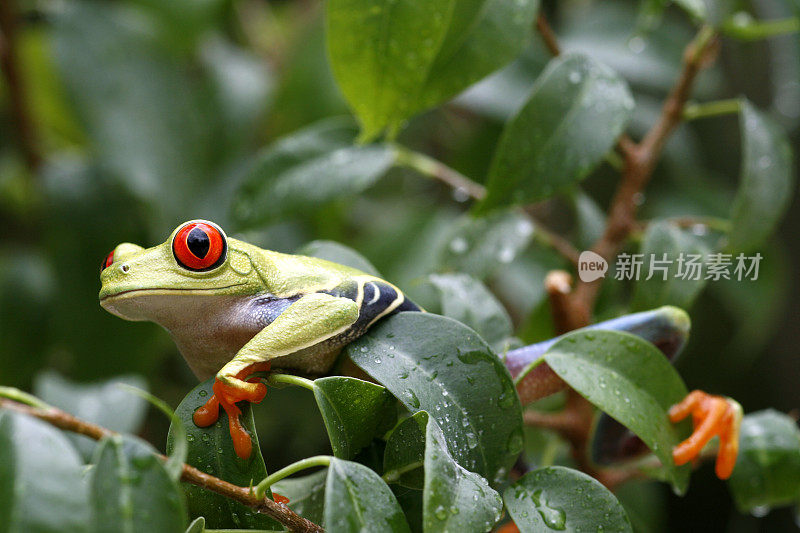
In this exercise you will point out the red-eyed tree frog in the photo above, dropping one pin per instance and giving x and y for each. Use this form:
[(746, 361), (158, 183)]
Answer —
[(234, 309)]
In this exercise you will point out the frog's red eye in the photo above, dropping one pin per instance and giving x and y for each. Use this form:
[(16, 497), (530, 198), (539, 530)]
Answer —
[(199, 246), (107, 261)]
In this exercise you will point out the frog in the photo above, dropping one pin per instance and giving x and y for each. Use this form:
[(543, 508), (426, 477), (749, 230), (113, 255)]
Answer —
[(236, 311)]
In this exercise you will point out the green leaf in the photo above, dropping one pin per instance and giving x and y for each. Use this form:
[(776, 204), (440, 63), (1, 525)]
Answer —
[(211, 450), (436, 364), (477, 26), (338, 253), (478, 246), (651, 11), (573, 117), (354, 412), (469, 301), (357, 499), (104, 403), (668, 287), (454, 499), (631, 380), (308, 169), (306, 494), (767, 472), (132, 491), (381, 53), (767, 180), (198, 525), (41, 482), (404, 456), (563, 499)]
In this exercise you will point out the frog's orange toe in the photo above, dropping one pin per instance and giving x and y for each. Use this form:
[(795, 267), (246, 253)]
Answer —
[(226, 394), (712, 416), (278, 498)]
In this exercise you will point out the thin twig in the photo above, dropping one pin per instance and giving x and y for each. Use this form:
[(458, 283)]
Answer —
[(640, 160), (433, 168), (9, 63), (549, 38), (190, 474)]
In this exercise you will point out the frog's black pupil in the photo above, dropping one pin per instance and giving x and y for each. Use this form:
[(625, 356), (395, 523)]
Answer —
[(198, 243)]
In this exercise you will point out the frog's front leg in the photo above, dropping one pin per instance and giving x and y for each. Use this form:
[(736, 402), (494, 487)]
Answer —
[(312, 319)]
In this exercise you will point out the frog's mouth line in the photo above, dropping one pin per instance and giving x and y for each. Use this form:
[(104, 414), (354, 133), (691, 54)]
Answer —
[(164, 291)]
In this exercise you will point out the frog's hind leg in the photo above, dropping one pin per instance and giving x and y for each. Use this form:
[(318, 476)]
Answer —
[(226, 396)]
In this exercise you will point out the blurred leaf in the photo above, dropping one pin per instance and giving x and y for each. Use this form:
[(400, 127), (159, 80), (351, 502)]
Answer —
[(404, 456), (357, 499), (146, 118), (589, 220), (307, 169), (306, 494), (767, 472), (454, 499), (666, 242), (41, 483), (469, 301), (397, 58), (767, 180), (339, 253), (651, 11), (132, 491), (182, 22), (563, 499), (354, 412), (645, 505), (381, 54), (104, 403), (436, 364), (483, 36), (211, 450), (575, 113), (242, 84), (478, 245), (631, 380)]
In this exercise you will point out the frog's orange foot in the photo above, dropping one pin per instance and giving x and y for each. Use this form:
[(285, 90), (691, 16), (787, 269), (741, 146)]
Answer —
[(278, 498), (226, 394), (712, 416)]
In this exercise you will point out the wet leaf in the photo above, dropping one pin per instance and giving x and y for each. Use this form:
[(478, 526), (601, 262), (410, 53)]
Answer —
[(357, 499), (563, 499), (211, 450), (306, 494), (454, 499), (573, 117), (404, 456), (631, 380), (354, 412), (436, 364)]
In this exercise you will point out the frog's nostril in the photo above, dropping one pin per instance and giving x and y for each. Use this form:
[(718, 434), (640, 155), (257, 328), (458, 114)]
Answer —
[(125, 267)]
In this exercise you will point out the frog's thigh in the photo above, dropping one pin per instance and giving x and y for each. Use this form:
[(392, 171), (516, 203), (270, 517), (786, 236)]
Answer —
[(310, 320)]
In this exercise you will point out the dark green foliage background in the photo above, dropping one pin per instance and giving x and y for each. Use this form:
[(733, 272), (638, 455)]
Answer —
[(148, 113)]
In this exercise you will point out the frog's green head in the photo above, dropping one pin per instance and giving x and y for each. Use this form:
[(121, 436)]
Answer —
[(197, 264)]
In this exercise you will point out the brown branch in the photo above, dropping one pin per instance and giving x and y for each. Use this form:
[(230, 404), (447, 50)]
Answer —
[(190, 474), (641, 159), (546, 32), (9, 63)]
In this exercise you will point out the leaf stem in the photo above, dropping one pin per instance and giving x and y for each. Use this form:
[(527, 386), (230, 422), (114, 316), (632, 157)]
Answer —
[(290, 379), (741, 26), (13, 393), (309, 462), (694, 111), (432, 168)]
